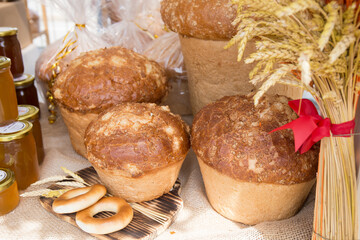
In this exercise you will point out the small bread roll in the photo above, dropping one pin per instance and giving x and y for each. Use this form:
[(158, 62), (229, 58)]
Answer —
[(100, 79), (252, 176), (137, 149)]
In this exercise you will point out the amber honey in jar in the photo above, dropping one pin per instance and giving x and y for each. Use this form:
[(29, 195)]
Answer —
[(31, 114), (8, 102), (26, 91), (18, 152), (9, 195), (10, 47)]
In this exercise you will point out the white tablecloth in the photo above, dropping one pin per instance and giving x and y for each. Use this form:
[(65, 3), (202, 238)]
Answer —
[(197, 220)]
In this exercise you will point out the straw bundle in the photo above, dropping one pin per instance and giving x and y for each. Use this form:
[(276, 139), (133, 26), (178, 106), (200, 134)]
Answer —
[(313, 45)]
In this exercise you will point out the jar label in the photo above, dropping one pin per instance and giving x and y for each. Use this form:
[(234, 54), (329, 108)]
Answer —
[(12, 128), (21, 78), (23, 110), (2, 175)]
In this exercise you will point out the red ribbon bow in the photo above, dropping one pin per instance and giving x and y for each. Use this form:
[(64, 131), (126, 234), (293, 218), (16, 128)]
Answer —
[(310, 127)]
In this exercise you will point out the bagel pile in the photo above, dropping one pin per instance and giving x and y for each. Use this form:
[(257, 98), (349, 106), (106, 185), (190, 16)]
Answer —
[(86, 202)]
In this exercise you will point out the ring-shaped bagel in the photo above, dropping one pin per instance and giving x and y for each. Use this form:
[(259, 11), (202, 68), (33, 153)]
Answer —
[(123, 216), (78, 199)]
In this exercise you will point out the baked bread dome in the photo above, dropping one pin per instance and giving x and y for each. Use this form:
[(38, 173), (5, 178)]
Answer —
[(137, 149), (252, 176), (205, 27), (100, 79), (210, 19)]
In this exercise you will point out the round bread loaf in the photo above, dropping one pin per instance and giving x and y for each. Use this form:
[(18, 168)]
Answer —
[(137, 149), (250, 175), (100, 79), (205, 28), (203, 19)]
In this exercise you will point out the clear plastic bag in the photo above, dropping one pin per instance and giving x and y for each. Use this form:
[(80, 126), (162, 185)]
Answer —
[(166, 50), (82, 37), (150, 18), (135, 23), (43, 68)]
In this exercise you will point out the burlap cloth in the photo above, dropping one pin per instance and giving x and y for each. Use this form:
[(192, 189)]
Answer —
[(197, 220)]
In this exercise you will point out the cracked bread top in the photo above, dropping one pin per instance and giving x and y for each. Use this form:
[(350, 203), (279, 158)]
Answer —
[(232, 136), (135, 138), (204, 19), (99, 79)]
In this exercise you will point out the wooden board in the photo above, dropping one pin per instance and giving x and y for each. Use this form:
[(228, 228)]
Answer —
[(150, 218)]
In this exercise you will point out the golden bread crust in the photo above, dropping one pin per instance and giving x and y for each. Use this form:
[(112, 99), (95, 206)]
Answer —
[(135, 138), (204, 19), (232, 136), (99, 79)]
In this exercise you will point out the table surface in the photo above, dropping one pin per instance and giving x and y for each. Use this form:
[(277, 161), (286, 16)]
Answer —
[(197, 220)]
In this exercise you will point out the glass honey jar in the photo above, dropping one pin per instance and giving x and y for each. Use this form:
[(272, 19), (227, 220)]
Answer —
[(10, 47), (9, 195), (8, 102), (26, 91), (31, 114), (18, 152)]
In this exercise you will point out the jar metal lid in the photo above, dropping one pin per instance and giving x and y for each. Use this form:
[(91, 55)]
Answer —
[(4, 62), (15, 130), (28, 112), (8, 31), (24, 80), (7, 178)]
